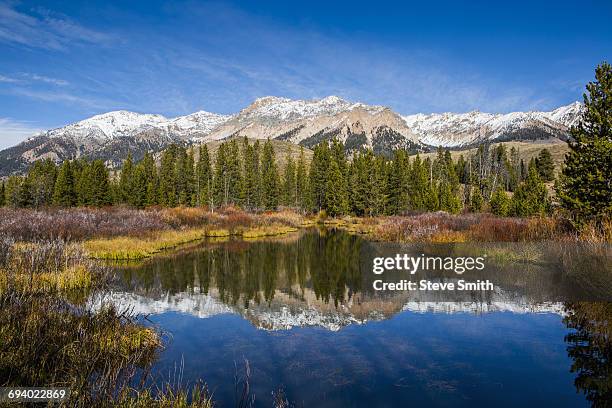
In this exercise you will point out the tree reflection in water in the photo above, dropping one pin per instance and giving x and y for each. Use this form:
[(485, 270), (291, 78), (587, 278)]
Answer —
[(590, 348), (253, 272)]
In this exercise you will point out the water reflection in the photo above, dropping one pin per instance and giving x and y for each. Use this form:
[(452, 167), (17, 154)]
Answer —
[(326, 277), (590, 348), (422, 349)]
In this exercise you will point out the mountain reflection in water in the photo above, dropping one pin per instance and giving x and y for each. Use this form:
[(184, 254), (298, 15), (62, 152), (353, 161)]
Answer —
[(322, 280)]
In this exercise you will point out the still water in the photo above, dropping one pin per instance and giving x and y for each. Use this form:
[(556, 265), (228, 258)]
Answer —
[(301, 313)]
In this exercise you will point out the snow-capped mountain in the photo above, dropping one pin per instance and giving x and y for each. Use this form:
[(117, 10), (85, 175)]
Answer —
[(465, 129), (285, 312), (110, 136)]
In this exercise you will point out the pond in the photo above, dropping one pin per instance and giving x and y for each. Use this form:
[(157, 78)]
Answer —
[(300, 314)]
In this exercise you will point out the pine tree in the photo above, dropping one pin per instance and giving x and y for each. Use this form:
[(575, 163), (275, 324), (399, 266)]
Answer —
[(545, 165), (222, 178), (398, 179), (418, 185), (585, 188), (183, 176), (38, 186), (167, 177), (378, 198), (251, 179), (269, 177), (318, 175), (125, 180), (13, 191), (140, 182), (335, 199), (476, 200), (530, 198), (152, 179), (289, 183), (302, 181), (99, 184), (64, 194), (190, 179), (500, 203), (235, 173), (360, 180), (203, 177), (2, 195)]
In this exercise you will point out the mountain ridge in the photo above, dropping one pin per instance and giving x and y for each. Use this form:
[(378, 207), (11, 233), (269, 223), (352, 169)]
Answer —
[(110, 136)]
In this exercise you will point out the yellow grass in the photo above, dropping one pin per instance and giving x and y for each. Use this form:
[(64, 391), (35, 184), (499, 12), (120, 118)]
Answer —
[(77, 277), (121, 248), (267, 231)]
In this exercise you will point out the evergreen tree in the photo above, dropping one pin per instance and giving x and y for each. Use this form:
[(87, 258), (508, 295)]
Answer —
[(140, 182), (476, 200), (530, 198), (269, 177), (2, 195), (167, 177), (418, 185), (183, 176), (545, 165), (64, 194), (38, 186), (335, 197), (585, 188), (152, 180), (125, 180), (398, 183), (251, 180), (235, 173), (14, 191), (100, 194), (378, 198), (222, 178), (430, 195), (289, 183), (360, 179), (318, 175), (500, 203), (203, 177), (302, 181)]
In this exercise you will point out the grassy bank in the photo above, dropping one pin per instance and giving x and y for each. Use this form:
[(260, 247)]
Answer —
[(191, 225), (50, 335), (441, 227)]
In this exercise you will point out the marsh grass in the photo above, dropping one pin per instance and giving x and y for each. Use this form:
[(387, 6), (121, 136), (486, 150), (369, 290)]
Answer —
[(47, 338), (133, 248), (446, 228)]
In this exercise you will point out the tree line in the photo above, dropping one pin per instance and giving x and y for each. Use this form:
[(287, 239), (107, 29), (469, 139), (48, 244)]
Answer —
[(246, 174)]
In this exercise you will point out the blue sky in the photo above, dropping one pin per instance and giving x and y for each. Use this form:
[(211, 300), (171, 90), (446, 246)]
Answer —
[(63, 61)]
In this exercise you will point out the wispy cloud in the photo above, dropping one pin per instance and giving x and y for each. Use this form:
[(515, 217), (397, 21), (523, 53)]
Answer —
[(42, 28), (46, 79), (28, 78), (9, 80), (55, 96), (13, 131)]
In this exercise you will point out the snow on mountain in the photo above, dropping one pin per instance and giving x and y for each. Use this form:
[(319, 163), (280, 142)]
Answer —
[(465, 129), (110, 136), (285, 312), (124, 123)]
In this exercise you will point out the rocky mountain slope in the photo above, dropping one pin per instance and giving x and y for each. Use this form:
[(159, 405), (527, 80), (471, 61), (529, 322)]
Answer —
[(112, 135), (456, 130)]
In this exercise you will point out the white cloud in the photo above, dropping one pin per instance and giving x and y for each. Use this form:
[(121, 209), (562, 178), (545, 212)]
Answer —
[(44, 29), (9, 80), (46, 79), (27, 77), (13, 132), (53, 96)]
